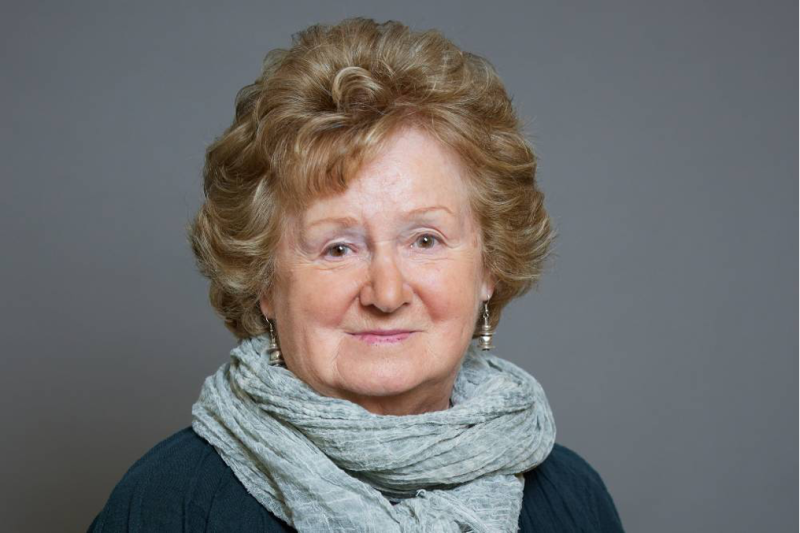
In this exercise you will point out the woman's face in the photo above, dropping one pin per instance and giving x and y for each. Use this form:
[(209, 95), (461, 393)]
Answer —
[(378, 289)]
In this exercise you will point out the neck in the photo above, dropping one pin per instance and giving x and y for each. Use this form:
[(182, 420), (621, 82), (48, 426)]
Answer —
[(414, 402), (402, 407)]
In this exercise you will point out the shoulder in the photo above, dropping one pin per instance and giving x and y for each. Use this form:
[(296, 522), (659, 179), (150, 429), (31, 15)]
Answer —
[(565, 493), (565, 468), (182, 485)]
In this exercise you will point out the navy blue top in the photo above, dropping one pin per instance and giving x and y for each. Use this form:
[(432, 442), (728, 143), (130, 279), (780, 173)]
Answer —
[(183, 485)]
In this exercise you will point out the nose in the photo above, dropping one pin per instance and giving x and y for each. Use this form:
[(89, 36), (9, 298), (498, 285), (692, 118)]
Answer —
[(386, 287)]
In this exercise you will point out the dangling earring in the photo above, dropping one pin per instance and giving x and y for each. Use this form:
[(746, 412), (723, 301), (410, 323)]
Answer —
[(273, 350), (487, 332)]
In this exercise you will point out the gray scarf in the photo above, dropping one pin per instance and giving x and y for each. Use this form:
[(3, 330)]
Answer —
[(325, 464)]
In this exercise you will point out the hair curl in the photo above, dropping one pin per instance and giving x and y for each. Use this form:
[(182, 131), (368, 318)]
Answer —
[(318, 111)]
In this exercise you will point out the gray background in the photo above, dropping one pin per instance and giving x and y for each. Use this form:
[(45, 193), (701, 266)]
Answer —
[(665, 334)]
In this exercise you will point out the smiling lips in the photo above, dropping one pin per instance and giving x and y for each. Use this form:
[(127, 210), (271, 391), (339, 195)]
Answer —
[(386, 336)]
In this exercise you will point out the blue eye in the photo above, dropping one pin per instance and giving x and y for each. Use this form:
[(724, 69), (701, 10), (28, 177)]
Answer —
[(426, 241), (337, 250)]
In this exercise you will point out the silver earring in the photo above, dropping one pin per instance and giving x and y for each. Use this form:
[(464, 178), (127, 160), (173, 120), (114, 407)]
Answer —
[(487, 332), (273, 350)]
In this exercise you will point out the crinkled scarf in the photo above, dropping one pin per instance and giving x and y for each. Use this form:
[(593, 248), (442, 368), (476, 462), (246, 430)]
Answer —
[(325, 464)]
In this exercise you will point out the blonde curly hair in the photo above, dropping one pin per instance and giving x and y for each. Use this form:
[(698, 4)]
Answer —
[(323, 107)]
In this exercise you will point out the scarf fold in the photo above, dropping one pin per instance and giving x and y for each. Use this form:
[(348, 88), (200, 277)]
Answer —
[(326, 464)]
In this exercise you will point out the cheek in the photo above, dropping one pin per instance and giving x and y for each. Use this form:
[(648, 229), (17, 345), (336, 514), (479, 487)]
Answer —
[(312, 307), (450, 292), (320, 297)]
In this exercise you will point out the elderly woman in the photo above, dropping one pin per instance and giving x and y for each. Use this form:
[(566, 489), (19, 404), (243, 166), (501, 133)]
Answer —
[(370, 211)]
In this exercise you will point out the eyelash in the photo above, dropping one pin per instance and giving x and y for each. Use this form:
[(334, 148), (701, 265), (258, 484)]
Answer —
[(332, 246), (435, 238)]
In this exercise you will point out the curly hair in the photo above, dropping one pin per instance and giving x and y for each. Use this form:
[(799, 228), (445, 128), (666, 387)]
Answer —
[(323, 107)]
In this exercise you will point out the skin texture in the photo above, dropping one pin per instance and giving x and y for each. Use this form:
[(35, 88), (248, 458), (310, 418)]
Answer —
[(398, 250)]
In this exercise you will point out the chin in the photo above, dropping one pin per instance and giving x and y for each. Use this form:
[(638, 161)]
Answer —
[(381, 376), (383, 370)]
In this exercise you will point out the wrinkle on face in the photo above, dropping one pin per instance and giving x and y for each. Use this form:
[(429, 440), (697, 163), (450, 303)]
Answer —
[(320, 302)]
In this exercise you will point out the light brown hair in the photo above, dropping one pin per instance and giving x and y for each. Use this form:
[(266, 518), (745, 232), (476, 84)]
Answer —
[(323, 107)]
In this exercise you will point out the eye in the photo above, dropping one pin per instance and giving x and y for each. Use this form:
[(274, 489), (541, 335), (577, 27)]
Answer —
[(337, 250), (426, 241)]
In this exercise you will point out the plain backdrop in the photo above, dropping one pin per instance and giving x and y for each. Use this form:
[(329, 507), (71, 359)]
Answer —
[(665, 332)]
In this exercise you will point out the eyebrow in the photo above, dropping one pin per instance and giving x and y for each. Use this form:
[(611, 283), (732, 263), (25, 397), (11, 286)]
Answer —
[(423, 210), (349, 222)]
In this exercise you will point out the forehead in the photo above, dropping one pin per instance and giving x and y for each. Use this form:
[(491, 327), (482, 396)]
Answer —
[(411, 171)]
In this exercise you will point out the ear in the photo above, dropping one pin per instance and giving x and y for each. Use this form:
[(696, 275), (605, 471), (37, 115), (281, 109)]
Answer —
[(265, 305), (487, 286)]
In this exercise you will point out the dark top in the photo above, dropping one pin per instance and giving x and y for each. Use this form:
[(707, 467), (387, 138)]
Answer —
[(183, 485)]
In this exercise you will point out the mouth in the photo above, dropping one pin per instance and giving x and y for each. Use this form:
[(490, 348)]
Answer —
[(389, 336)]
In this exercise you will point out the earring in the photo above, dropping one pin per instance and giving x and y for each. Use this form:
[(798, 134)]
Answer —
[(487, 332), (273, 350)]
